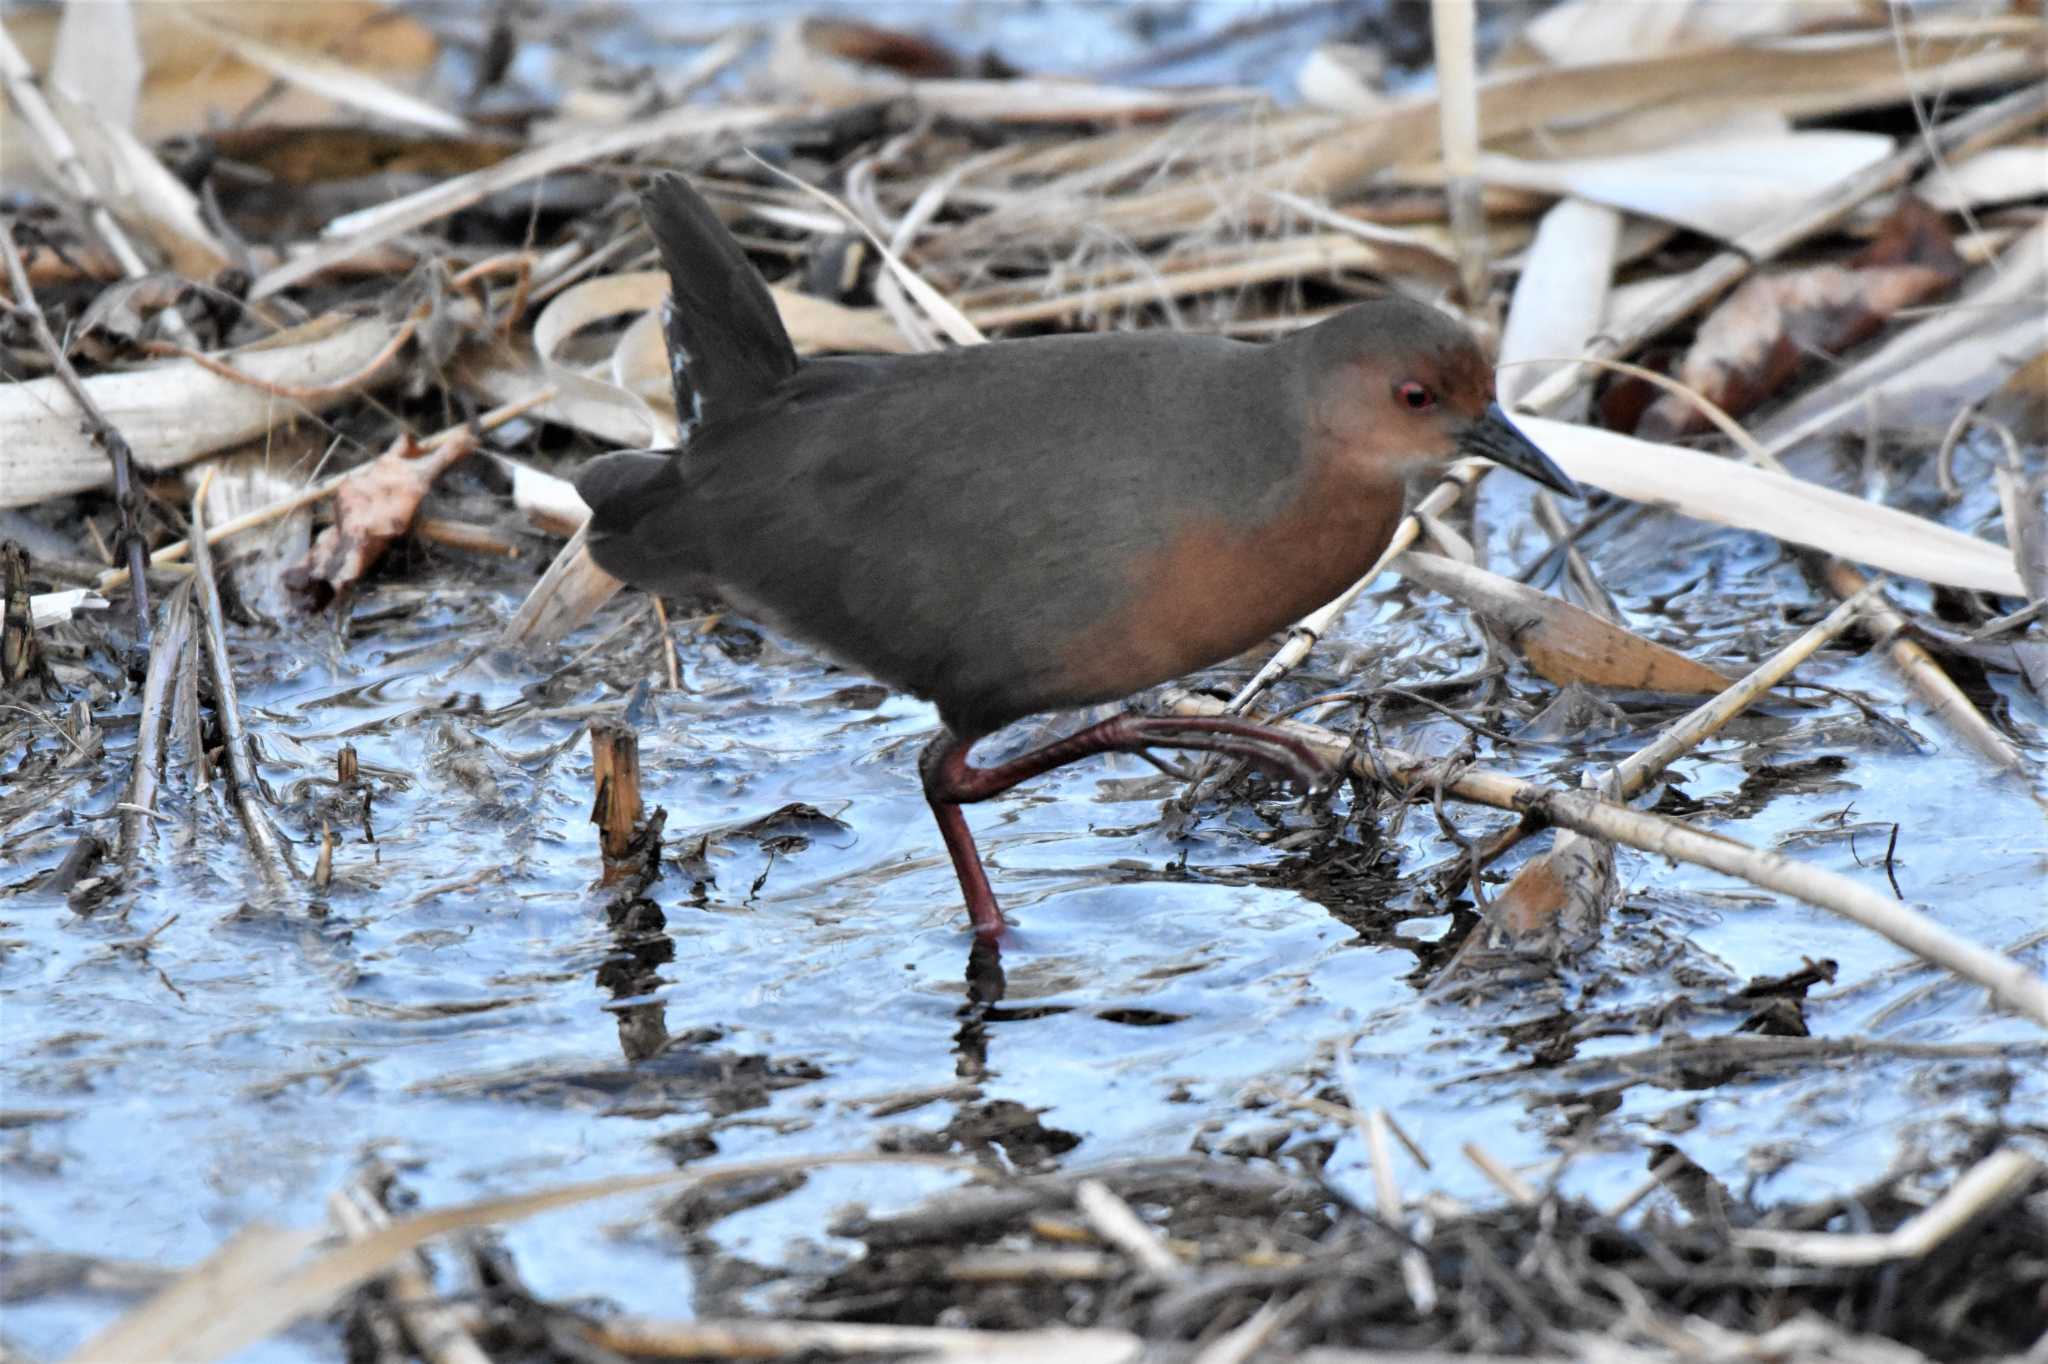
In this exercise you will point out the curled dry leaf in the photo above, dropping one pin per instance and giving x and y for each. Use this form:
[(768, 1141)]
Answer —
[(372, 507), (1763, 334)]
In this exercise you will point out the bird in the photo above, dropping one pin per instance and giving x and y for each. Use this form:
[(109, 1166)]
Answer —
[(1034, 524)]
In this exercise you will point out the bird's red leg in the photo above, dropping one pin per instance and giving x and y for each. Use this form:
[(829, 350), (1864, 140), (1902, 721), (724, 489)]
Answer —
[(951, 781)]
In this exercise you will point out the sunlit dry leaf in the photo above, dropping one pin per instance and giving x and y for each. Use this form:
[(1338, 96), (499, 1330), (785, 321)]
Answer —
[(372, 507), (1561, 642), (548, 503), (1769, 329), (351, 86), (1345, 78)]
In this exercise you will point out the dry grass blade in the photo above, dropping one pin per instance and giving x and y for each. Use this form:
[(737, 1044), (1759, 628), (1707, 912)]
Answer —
[(1712, 278), (306, 497), (1960, 352), (376, 226), (1452, 24), (940, 309), (1925, 675), (639, 1337), (1635, 773), (44, 127), (567, 595), (2010, 983), (1560, 299), (344, 84), (237, 1299), (1117, 1224), (166, 655), (438, 1332)]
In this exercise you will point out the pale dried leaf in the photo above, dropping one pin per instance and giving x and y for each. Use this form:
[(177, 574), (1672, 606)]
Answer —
[(548, 503), (1996, 175), (172, 413), (1560, 300), (1582, 32), (98, 61), (1726, 493), (1721, 187)]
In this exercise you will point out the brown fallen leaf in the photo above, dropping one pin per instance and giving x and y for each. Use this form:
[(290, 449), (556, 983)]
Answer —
[(372, 507), (1561, 642), (1752, 345), (2021, 402)]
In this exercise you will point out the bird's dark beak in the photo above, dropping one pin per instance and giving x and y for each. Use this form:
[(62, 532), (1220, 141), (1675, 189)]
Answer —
[(1494, 437)]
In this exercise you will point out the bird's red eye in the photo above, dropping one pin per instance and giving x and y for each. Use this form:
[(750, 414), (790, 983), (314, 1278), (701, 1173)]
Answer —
[(1418, 398)]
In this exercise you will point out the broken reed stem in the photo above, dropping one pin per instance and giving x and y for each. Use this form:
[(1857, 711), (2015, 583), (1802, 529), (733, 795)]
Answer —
[(298, 393), (1640, 768), (615, 772), (1923, 673), (269, 850), (127, 487), (1457, 77), (438, 1332), (1115, 1222), (307, 496), (2008, 982), (173, 637)]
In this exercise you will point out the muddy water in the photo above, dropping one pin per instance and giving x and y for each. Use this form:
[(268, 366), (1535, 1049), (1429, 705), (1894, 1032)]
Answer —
[(452, 1005)]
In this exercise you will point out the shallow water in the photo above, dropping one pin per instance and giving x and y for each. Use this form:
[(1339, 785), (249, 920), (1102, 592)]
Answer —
[(446, 1005)]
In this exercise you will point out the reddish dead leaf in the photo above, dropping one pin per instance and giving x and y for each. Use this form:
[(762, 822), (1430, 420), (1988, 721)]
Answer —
[(907, 54), (1759, 338), (372, 507)]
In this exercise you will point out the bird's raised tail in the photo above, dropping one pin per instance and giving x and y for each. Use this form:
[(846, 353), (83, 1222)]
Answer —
[(726, 346)]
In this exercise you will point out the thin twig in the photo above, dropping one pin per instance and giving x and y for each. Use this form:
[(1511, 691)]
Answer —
[(127, 488)]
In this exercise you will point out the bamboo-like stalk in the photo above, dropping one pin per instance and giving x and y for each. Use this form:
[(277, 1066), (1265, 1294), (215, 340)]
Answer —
[(2008, 982), (173, 637), (1457, 76), (272, 856), (127, 488)]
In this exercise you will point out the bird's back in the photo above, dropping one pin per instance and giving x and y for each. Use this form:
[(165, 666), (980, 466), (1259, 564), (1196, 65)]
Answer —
[(952, 523)]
